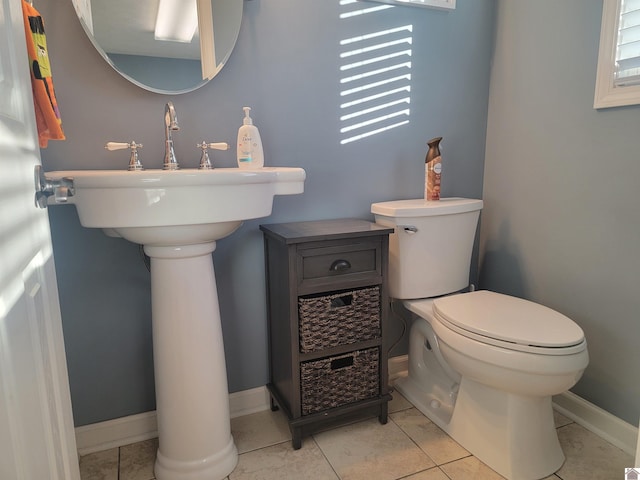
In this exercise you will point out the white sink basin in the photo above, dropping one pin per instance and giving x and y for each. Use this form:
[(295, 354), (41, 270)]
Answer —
[(179, 207), (178, 216)]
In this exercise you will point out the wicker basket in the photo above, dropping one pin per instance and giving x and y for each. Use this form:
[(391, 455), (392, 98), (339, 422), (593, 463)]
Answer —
[(335, 381), (338, 319)]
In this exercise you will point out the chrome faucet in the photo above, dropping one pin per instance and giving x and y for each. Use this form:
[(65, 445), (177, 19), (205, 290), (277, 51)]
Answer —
[(170, 124)]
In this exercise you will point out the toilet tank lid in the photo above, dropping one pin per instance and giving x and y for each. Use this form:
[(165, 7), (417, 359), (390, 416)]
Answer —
[(509, 319), (422, 208)]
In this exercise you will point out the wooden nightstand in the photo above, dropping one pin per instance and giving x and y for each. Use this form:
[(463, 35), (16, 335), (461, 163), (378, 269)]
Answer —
[(327, 306)]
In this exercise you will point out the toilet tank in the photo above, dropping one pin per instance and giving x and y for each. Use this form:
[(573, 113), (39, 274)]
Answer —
[(430, 250)]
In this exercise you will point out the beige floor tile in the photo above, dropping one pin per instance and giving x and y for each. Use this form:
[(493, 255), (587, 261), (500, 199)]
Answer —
[(560, 420), (363, 450), (429, 437), (589, 457), (282, 462), (100, 465), (368, 450), (398, 403), (136, 460), (431, 474), (259, 430), (469, 468)]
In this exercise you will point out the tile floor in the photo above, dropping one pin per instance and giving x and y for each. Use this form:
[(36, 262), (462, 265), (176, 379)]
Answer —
[(408, 447)]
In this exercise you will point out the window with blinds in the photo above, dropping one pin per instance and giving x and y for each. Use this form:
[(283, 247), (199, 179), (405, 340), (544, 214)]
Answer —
[(618, 76), (628, 44)]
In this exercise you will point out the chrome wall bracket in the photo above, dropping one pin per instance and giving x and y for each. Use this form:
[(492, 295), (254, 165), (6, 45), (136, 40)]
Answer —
[(61, 188)]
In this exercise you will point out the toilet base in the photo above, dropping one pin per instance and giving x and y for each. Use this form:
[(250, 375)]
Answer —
[(514, 435), (430, 403)]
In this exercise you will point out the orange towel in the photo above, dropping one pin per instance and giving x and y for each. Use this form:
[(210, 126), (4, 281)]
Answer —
[(48, 119)]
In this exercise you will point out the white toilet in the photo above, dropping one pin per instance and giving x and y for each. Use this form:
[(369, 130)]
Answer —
[(482, 366)]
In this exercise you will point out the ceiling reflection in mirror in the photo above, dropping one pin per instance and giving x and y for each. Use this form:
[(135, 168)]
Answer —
[(441, 4), (126, 34)]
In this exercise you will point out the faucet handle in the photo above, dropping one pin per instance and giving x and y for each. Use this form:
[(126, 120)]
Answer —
[(218, 146), (134, 161), (205, 162), (115, 146)]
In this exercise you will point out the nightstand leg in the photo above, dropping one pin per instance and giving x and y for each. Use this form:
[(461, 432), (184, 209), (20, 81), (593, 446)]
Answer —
[(274, 405), (384, 413), (296, 437)]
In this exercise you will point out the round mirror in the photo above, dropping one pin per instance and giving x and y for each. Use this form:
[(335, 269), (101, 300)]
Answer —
[(164, 46)]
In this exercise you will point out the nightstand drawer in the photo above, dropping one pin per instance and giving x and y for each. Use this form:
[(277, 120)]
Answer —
[(335, 381), (341, 318), (326, 262)]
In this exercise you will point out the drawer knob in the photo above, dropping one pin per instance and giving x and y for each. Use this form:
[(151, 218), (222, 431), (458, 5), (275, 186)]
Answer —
[(340, 265)]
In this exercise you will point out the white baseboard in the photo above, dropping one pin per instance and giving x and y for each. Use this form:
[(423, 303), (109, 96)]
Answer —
[(115, 433), (249, 401), (607, 426), (136, 428)]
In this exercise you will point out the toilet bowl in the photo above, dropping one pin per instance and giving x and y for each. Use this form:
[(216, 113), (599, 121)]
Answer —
[(497, 403), (482, 366)]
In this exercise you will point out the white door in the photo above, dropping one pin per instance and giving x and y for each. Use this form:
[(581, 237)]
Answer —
[(36, 427)]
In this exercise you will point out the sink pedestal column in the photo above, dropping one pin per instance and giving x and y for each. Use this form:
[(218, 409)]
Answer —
[(192, 400)]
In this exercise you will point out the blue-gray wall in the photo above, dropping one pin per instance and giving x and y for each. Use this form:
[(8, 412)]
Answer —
[(285, 66), (561, 223)]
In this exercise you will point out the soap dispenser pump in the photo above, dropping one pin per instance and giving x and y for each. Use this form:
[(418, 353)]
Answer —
[(250, 154), (433, 170)]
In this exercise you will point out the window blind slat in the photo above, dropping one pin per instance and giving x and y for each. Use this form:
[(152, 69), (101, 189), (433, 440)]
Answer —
[(627, 63), (630, 5), (629, 19), (631, 79), (628, 50), (628, 35)]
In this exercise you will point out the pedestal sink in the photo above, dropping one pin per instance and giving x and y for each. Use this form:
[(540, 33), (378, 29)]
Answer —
[(178, 216)]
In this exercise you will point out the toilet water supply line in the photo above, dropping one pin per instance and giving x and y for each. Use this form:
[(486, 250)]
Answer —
[(404, 326)]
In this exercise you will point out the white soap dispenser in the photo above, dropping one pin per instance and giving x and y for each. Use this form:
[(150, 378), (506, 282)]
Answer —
[(250, 154)]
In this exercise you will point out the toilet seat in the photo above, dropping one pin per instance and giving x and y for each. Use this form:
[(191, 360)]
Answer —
[(507, 322)]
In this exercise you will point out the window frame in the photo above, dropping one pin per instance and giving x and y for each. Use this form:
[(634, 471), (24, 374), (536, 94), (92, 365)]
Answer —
[(607, 94)]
